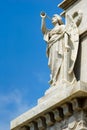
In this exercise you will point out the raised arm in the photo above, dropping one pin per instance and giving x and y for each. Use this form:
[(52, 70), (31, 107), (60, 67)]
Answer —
[(43, 22)]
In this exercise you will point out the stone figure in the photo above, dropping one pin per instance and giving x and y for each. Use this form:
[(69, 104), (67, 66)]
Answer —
[(62, 46)]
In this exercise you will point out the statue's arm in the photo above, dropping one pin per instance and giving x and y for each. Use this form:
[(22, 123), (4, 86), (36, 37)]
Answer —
[(43, 25)]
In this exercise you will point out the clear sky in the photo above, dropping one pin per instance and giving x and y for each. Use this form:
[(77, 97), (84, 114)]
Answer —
[(24, 72)]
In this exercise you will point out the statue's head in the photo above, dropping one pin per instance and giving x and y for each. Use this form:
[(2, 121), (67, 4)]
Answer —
[(57, 19)]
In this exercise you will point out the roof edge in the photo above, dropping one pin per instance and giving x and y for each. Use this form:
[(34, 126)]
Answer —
[(66, 4)]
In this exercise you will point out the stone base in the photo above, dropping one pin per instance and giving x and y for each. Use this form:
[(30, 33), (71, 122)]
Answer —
[(64, 92), (60, 109)]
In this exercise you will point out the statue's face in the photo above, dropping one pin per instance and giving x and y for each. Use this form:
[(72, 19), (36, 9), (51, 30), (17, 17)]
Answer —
[(54, 20)]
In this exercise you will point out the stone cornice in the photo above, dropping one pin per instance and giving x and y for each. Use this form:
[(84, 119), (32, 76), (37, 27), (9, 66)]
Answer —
[(66, 4), (59, 115), (44, 108)]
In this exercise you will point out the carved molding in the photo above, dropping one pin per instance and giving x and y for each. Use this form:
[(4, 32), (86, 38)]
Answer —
[(67, 109), (66, 4), (25, 128), (41, 123), (49, 119), (33, 126), (76, 104), (58, 114), (70, 116)]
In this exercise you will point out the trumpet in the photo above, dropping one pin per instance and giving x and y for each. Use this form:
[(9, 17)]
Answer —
[(44, 15)]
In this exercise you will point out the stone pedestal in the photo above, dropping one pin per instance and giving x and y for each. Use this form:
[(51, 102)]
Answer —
[(63, 107)]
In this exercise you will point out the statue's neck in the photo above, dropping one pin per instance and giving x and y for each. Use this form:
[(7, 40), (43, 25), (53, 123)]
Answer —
[(56, 25)]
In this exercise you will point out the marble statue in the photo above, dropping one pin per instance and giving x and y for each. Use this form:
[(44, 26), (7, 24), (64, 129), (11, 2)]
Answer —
[(62, 48)]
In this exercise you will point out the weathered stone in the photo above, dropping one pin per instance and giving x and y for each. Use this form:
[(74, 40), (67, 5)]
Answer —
[(58, 114), (76, 104), (41, 123), (24, 128), (49, 119), (85, 104), (67, 109), (33, 126)]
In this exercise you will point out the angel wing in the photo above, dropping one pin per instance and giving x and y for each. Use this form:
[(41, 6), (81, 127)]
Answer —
[(72, 30)]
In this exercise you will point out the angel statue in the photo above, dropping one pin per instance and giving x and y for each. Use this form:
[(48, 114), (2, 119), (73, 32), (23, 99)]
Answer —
[(62, 47)]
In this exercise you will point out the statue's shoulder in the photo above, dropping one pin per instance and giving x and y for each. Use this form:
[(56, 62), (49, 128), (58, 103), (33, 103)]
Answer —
[(62, 27)]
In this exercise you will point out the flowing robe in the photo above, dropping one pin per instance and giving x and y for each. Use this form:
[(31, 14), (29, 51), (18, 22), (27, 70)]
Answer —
[(55, 52)]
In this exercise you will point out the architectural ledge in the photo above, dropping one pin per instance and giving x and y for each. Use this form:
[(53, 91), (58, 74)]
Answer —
[(50, 102), (66, 4)]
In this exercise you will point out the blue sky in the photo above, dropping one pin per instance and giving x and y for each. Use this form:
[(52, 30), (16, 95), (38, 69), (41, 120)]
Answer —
[(24, 72)]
